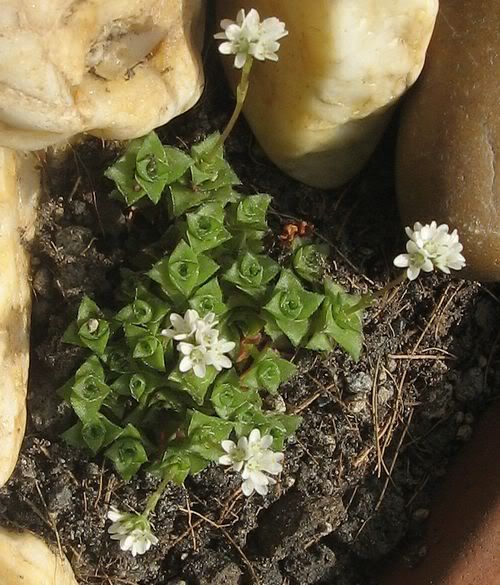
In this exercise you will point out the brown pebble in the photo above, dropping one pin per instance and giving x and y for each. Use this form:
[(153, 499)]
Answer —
[(42, 282), (421, 514), (448, 156), (464, 433)]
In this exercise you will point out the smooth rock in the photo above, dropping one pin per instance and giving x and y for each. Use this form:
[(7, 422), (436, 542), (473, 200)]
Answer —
[(19, 194), (449, 141), (320, 110), (26, 560), (116, 69)]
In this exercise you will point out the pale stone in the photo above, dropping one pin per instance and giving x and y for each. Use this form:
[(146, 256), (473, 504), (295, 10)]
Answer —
[(116, 69), (320, 110), (19, 191), (26, 560)]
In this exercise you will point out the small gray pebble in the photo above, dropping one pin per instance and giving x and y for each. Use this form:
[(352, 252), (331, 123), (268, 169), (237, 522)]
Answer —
[(469, 418), (360, 383), (42, 281), (392, 365), (464, 433), (356, 404), (421, 514), (384, 394)]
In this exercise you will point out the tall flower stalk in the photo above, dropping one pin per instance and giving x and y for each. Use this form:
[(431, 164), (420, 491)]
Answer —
[(241, 94), (247, 38)]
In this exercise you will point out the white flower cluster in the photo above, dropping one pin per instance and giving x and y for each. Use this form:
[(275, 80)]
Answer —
[(199, 342), (132, 530), (248, 36), (431, 246), (253, 458)]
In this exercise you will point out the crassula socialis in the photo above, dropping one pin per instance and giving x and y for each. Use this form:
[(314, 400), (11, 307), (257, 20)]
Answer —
[(177, 373)]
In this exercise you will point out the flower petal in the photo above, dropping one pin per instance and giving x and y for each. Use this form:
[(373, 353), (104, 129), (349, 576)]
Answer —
[(225, 460), (185, 364), (254, 437), (247, 487), (185, 348), (240, 60), (228, 446), (413, 272), (200, 370), (266, 441), (261, 489), (402, 261), (115, 515)]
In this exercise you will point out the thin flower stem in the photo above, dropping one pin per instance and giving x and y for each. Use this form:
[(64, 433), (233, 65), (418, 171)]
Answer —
[(367, 300), (155, 497), (241, 94)]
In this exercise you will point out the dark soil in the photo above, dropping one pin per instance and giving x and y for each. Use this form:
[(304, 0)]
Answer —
[(376, 435)]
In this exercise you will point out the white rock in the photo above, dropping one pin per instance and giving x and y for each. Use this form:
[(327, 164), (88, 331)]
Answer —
[(320, 110), (116, 69), (19, 191), (26, 560)]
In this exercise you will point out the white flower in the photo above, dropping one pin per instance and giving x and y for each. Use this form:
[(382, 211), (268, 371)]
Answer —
[(199, 344), (258, 444), (236, 454), (271, 30), (205, 329), (248, 36), (133, 531), (182, 327), (254, 458), (431, 246), (216, 349), (195, 358), (254, 476)]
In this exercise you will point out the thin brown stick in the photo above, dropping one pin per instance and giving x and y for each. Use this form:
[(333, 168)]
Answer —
[(402, 381), (51, 520), (298, 409), (376, 430), (101, 483), (488, 292), (419, 489), (190, 523), (394, 459), (422, 356), (445, 308), (222, 528), (182, 536), (308, 452), (228, 508), (490, 360)]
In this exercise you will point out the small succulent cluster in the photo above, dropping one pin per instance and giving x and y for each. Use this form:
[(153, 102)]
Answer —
[(187, 359)]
